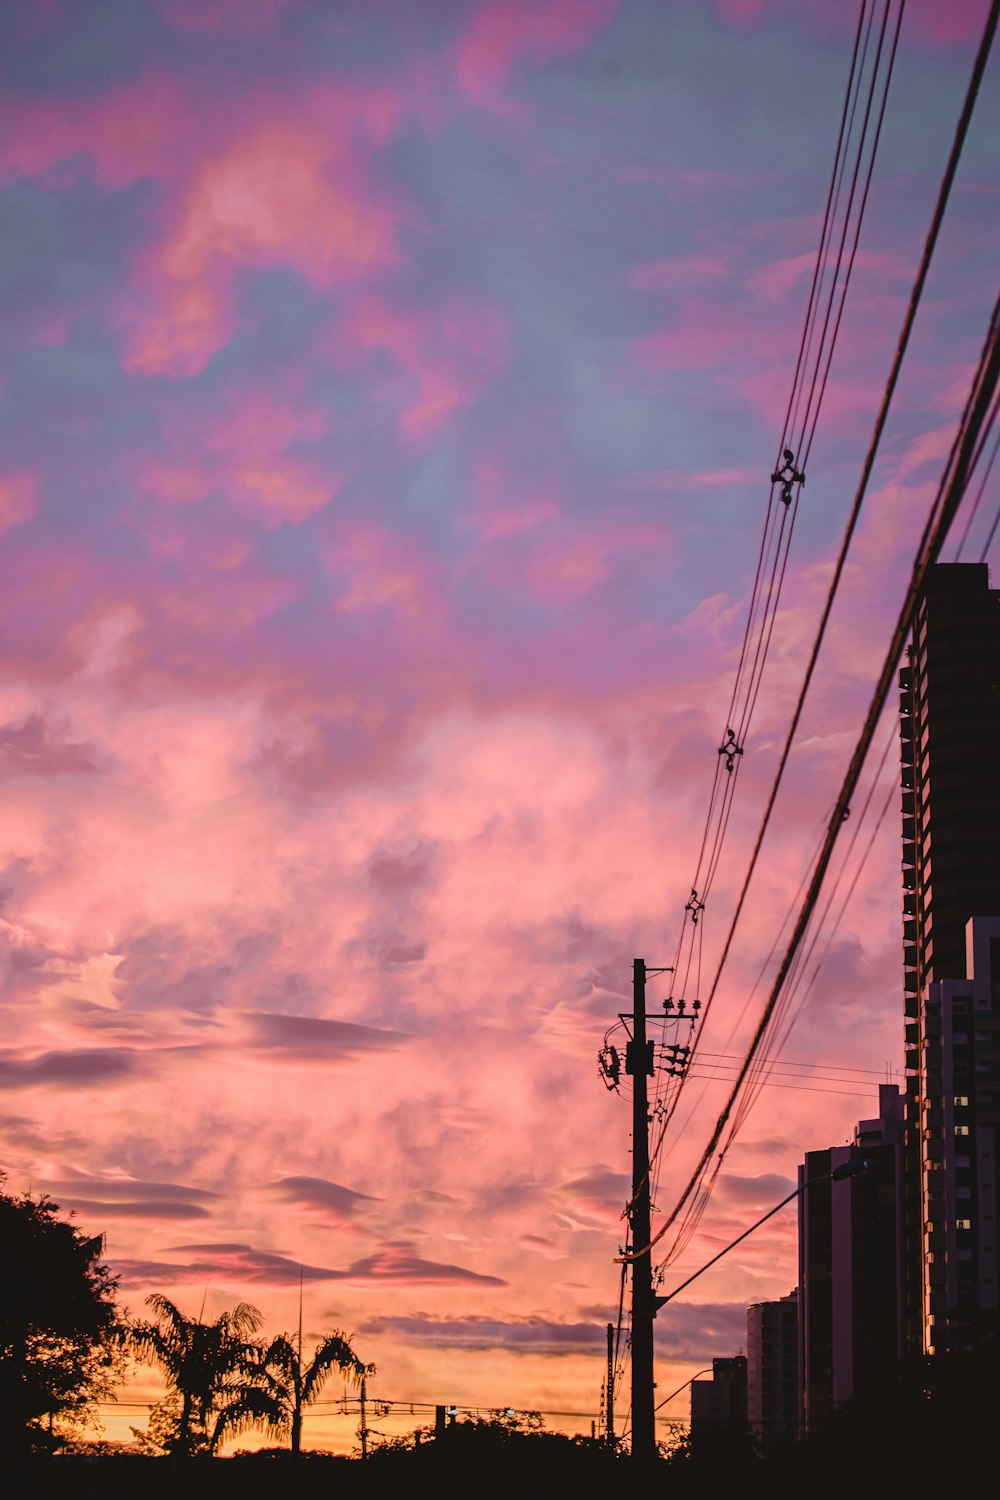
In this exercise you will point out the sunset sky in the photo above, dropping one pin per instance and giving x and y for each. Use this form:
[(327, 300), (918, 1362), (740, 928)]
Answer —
[(389, 394)]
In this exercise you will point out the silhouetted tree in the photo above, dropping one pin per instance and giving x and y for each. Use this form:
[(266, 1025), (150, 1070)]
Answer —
[(59, 1350), (286, 1385), (208, 1367)]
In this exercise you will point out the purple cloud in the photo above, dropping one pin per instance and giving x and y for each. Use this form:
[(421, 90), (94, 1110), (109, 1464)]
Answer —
[(72, 1068), (31, 748), (235, 1263), (530, 1336), (332, 1203), (310, 1038)]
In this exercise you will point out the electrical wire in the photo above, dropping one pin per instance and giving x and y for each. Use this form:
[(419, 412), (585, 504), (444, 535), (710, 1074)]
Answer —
[(952, 487), (974, 508), (880, 423), (814, 368), (800, 430)]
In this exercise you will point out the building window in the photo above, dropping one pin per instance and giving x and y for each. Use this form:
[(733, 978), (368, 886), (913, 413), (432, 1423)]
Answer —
[(963, 1223), (961, 1101), (961, 1129)]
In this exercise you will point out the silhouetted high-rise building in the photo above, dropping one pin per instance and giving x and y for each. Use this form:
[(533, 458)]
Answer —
[(955, 1141), (950, 728), (773, 1410), (719, 1405), (850, 1242), (950, 758)]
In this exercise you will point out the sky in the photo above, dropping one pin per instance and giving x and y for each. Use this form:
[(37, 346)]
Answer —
[(388, 399)]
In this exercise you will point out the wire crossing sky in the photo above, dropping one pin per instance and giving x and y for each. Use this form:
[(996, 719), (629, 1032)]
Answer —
[(390, 394)]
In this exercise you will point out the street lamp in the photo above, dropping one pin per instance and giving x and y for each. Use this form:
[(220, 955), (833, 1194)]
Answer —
[(667, 1400), (852, 1168), (846, 1169)]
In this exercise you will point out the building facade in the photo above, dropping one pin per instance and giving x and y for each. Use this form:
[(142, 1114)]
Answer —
[(773, 1409), (959, 1102), (949, 740), (719, 1405), (850, 1253)]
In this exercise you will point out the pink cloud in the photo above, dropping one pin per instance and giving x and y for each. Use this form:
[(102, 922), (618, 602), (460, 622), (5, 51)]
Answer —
[(664, 275), (272, 198), (943, 26), (284, 193), (777, 281), (137, 130), (540, 550), (383, 571), (741, 12), (938, 26), (230, 16), (242, 452), (503, 31), (445, 355), (234, 192), (498, 510), (569, 569), (18, 499), (181, 330)]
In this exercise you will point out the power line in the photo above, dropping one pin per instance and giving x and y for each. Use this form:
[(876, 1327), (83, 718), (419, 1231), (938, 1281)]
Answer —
[(903, 342), (802, 439), (942, 513), (782, 509)]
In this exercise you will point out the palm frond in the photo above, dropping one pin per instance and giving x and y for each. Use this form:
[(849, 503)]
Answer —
[(282, 1355), (334, 1353), (251, 1407), (166, 1311)]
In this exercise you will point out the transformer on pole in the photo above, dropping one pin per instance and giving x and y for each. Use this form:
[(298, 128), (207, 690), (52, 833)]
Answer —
[(641, 1064)]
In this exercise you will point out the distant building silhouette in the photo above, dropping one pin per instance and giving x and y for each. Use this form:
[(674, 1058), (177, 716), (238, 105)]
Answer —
[(720, 1404), (950, 759), (773, 1407), (850, 1244)]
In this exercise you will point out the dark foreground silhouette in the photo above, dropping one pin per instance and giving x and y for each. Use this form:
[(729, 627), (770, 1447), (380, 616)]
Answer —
[(934, 1428)]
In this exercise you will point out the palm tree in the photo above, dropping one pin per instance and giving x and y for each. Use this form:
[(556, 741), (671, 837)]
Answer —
[(285, 1386), (207, 1365)]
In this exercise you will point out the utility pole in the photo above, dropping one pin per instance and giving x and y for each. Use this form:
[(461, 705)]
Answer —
[(609, 1406), (363, 1429), (639, 1065)]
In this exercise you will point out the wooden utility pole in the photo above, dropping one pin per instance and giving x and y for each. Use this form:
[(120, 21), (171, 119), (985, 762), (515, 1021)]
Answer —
[(639, 1064)]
